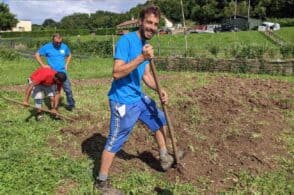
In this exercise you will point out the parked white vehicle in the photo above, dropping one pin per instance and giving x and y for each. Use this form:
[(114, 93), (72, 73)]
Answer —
[(269, 26)]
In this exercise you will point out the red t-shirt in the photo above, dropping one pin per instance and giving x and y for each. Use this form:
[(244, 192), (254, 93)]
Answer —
[(43, 76)]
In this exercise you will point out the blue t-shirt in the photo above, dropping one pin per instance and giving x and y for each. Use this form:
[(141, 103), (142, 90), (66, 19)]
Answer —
[(128, 89), (55, 56)]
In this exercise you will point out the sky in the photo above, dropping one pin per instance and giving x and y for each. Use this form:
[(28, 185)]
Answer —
[(39, 10)]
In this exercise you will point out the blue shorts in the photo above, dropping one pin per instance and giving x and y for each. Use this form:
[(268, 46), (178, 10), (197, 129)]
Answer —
[(124, 117)]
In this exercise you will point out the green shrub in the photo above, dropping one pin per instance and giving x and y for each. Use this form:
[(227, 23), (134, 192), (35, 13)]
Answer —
[(250, 51), (287, 51), (105, 31), (46, 33), (92, 47), (283, 21), (259, 50), (33, 43), (233, 51), (214, 49), (244, 52), (9, 54), (97, 48)]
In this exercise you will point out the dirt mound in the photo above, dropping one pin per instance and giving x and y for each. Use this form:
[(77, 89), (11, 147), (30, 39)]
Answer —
[(239, 122), (230, 125)]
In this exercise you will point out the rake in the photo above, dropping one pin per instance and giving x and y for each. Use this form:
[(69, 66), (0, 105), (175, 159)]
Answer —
[(168, 121)]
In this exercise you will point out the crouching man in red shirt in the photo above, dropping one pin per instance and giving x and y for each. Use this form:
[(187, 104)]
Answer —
[(44, 81)]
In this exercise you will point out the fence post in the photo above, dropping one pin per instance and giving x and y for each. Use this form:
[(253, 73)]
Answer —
[(168, 44), (186, 45), (113, 46), (158, 45), (12, 44), (79, 44)]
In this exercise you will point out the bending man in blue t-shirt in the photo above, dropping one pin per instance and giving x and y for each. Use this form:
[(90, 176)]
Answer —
[(58, 58), (127, 102)]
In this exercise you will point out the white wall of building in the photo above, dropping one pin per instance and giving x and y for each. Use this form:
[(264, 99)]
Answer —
[(23, 26), (168, 23)]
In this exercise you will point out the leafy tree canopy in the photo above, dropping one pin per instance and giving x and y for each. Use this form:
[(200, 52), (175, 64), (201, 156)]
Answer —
[(7, 19), (198, 11)]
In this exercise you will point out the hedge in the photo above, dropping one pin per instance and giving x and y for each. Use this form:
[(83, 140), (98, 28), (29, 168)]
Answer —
[(47, 33)]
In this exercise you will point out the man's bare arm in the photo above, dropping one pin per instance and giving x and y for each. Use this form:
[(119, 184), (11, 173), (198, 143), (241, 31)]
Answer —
[(40, 61), (28, 93), (122, 69), (150, 82), (68, 60)]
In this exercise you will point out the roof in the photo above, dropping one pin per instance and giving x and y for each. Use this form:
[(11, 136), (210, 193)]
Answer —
[(129, 22)]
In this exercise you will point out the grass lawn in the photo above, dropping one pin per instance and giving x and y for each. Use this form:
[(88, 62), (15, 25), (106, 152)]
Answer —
[(287, 34), (200, 44), (37, 157), (17, 72)]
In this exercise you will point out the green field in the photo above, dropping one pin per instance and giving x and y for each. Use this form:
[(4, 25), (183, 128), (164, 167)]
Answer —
[(287, 34), (16, 72), (36, 157), (200, 45), (216, 45)]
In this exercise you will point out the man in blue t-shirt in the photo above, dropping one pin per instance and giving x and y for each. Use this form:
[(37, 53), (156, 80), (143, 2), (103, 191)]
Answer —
[(127, 102), (58, 58)]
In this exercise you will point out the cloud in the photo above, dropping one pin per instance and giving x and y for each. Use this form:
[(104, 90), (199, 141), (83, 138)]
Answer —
[(39, 10)]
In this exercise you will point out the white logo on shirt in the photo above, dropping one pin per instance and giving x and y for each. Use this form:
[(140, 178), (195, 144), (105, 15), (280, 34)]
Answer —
[(62, 51)]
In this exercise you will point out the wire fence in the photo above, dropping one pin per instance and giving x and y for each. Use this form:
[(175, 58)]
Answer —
[(180, 55), (207, 46)]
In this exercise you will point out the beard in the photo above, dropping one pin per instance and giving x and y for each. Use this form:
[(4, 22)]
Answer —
[(146, 33)]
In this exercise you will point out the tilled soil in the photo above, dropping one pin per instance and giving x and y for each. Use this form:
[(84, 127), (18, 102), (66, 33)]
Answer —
[(230, 125)]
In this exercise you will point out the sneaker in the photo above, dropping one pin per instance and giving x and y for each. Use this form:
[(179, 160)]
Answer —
[(39, 117), (70, 108), (56, 117), (166, 161), (105, 188)]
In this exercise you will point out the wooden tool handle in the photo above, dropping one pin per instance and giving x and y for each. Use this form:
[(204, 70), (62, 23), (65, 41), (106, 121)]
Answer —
[(42, 109), (168, 121)]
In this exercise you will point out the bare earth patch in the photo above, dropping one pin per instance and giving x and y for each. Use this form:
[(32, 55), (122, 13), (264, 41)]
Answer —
[(65, 187), (228, 126)]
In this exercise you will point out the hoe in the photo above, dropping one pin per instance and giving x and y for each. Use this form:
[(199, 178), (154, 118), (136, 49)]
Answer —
[(168, 121)]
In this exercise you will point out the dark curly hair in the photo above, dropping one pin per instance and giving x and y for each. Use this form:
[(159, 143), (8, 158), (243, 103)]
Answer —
[(150, 10)]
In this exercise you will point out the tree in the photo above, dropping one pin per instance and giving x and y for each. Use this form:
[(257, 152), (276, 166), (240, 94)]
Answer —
[(75, 21), (229, 10), (171, 9), (105, 19), (7, 19), (243, 8), (259, 10), (49, 23)]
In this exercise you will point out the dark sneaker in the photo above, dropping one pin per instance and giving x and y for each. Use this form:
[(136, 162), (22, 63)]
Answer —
[(56, 117), (39, 117), (70, 108), (105, 188)]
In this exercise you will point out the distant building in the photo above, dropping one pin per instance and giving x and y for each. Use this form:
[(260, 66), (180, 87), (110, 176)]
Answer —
[(242, 22), (128, 24), (135, 23), (167, 23), (23, 26)]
